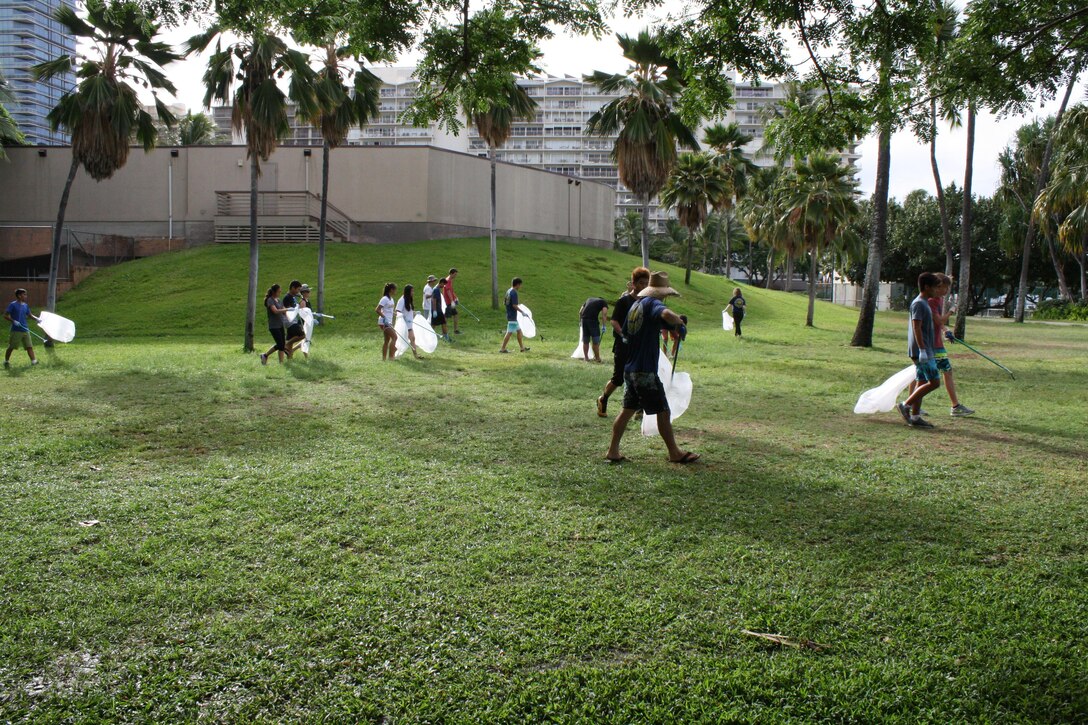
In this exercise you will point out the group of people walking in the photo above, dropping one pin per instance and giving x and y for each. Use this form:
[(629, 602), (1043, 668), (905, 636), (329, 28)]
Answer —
[(287, 334), (439, 308)]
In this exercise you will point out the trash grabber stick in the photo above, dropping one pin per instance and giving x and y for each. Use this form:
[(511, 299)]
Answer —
[(462, 306), (675, 355), (27, 329), (984, 355)]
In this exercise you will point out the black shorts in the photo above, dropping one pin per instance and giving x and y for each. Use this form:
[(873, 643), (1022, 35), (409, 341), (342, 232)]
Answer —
[(437, 318), (295, 331), (279, 335), (644, 391), (619, 360), (451, 311), (591, 331)]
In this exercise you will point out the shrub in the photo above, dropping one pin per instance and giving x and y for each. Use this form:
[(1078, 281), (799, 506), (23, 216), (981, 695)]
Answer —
[(1061, 310)]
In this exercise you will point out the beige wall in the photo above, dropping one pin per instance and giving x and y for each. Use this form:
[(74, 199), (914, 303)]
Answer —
[(395, 193)]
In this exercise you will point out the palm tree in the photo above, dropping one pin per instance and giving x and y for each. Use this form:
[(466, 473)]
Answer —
[(259, 109), (338, 111), (649, 129), (10, 135), (695, 184), (493, 124), (197, 129), (1065, 198), (761, 214), (821, 202), (628, 230), (729, 141), (102, 114), (943, 22)]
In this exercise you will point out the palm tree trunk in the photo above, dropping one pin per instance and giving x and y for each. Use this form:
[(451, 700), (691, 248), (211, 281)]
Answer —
[(691, 242), (787, 284), (1059, 271), (728, 251), (1040, 182), (946, 233), (646, 231), (54, 256), (965, 229), (770, 269), (1081, 259), (251, 301), (811, 286), (325, 153), (863, 333), (494, 239)]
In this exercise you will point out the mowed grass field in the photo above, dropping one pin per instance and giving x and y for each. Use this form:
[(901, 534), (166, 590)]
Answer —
[(440, 540)]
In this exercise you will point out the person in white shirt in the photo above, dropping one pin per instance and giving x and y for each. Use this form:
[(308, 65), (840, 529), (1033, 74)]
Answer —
[(385, 311), (406, 308), (428, 290)]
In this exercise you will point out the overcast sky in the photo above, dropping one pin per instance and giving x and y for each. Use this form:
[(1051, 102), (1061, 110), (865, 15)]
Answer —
[(578, 55)]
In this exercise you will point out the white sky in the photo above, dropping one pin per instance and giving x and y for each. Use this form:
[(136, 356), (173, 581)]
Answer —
[(578, 55)]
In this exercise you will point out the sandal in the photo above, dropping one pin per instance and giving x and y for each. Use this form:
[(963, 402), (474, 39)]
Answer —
[(688, 457)]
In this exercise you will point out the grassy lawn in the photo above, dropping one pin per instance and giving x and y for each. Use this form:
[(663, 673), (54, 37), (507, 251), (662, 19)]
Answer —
[(441, 541)]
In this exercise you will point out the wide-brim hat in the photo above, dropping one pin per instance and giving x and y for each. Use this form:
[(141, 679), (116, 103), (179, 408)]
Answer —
[(659, 287), (432, 278), (304, 288)]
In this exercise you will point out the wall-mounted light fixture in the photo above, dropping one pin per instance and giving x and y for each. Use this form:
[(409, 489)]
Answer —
[(41, 152), (570, 181), (241, 162), (577, 183), (174, 153), (307, 152)]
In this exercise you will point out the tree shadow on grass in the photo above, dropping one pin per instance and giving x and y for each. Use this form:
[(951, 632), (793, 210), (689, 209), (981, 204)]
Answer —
[(315, 369)]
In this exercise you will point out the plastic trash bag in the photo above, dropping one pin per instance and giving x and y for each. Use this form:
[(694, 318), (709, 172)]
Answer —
[(882, 398)]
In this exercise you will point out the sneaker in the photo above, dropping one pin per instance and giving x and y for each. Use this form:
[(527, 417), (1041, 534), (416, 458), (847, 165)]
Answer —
[(456, 332), (920, 422), (504, 350), (525, 349), (904, 411), (35, 362), (602, 407), (961, 411), (264, 359)]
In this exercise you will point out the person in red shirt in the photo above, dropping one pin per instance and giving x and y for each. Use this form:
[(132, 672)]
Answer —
[(451, 301), (944, 364)]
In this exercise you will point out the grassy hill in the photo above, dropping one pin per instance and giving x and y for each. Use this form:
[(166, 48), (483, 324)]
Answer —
[(202, 291), (188, 535)]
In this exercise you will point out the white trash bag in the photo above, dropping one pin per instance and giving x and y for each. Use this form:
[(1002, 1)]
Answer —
[(882, 399), (59, 328), (528, 327), (678, 388)]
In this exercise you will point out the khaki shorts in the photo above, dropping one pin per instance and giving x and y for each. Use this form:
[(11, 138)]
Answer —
[(19, 339)]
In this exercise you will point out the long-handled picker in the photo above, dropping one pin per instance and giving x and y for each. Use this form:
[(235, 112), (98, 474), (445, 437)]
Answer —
[(953, 338)]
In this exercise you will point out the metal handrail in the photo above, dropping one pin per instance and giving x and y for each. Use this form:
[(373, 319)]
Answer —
[(283, 203)]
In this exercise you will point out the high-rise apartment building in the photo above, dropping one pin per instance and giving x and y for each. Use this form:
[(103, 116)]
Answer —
[(553, 140), (30, 35)]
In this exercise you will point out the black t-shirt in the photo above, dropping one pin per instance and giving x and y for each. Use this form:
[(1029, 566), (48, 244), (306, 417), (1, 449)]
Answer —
[(289, 301), (620, 310), (591, 310)]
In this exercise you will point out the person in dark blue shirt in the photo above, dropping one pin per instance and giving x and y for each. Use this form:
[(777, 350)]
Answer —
[(17, 313), (642, 388), (512, 307)]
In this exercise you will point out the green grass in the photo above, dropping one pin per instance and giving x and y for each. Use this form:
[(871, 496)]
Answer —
[(440, 541)]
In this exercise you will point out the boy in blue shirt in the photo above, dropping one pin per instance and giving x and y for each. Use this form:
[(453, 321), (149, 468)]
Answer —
[(17, 313), (642, 388), (512, 307), (920, 349)]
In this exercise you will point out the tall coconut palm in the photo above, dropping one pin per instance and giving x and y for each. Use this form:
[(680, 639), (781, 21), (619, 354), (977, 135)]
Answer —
[(729, 142), (103, 113), (696, 183), (821, 203), (259, 108), (648, 127), (339, 110), (510, 104)]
